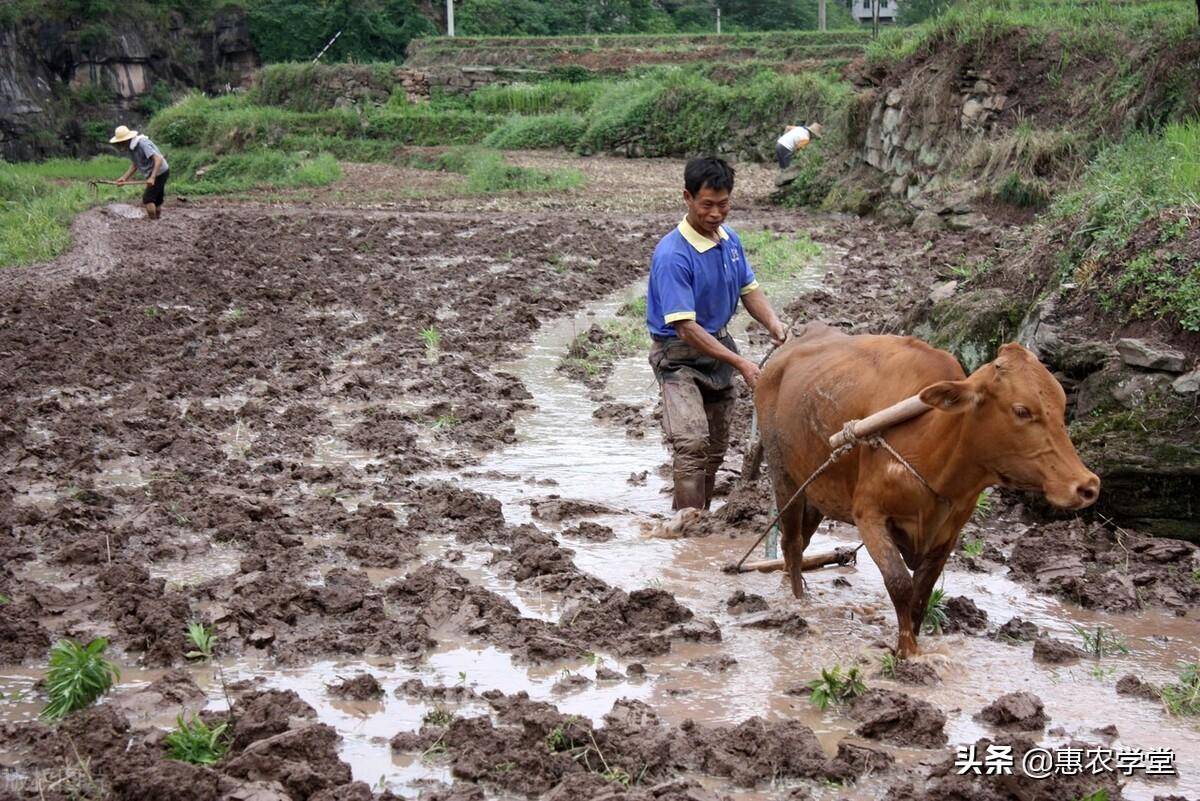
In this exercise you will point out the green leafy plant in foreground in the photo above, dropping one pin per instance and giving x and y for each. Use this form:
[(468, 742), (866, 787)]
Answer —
[(78, 675), (887, 666), (202, 639), (195, 742), (972, 547), (935, 619), (1183, 697), (836, 687)]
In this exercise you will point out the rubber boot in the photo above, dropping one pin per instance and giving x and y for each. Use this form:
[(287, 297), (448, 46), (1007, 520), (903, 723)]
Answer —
[(710, 483), (689, 491)]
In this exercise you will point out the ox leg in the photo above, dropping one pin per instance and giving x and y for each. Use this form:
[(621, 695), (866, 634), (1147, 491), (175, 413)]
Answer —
[(924, 577), (895, 577), (796, 524)]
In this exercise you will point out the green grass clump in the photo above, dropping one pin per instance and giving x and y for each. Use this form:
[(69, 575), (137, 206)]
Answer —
[(1101, 642), (1143, 177), (487, 172), (777, 257), (78, 675), (197, 743), (547, 97), (935, 618), (541, 132), (238, 172), (1183, 697), (836, 687)]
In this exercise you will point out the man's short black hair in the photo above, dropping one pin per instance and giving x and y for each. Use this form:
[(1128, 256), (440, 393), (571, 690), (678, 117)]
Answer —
[(707, 171)]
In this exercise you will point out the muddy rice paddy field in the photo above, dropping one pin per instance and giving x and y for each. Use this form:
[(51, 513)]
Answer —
[(338, 433)]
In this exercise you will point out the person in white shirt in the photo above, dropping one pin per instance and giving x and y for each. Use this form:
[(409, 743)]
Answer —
[(795, 137)]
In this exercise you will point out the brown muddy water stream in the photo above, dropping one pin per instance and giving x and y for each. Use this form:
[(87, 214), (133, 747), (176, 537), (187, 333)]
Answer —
[(591, 461)]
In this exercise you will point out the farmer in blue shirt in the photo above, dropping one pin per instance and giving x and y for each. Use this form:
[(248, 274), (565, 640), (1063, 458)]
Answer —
[(698, 274)]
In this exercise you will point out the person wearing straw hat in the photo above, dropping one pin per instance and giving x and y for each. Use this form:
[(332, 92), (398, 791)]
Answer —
[(150, 162), (795, 137)]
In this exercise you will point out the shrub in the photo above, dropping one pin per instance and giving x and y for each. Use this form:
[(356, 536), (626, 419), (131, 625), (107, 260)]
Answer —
[(549, 97), (542, 132)]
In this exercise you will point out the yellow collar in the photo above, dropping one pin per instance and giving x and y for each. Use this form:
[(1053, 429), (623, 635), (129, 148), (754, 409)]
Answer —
[(698, 240)]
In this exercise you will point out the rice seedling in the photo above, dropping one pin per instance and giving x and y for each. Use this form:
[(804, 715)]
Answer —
[(194, 741), (78, 675), (835, 687), (935, 619)]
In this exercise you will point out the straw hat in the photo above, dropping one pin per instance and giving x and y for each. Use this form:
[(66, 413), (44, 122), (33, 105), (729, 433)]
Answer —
[(122, 134), (815, 129)]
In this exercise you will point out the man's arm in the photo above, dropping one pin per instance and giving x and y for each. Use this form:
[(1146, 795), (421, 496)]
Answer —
[(760, 309), (694, 334), (127, 175), (154, 169)]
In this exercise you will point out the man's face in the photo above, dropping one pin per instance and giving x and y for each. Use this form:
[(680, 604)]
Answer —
[(707, 209)]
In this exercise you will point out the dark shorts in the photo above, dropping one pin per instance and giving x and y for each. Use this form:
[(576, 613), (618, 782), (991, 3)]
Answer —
[(154, 194), (783, 156)]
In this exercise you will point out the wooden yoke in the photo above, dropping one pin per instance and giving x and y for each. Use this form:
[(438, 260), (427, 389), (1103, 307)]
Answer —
[(897, 413)]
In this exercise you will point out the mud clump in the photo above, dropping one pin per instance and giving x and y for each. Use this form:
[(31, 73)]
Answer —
[(783, 621), (1019, 711), (22, 637), (304, 760), (642, 623), (592, 532), (921, 674), (265, 713), (151, 619), (900, 719), (1129, 684), (1050, 651), (1017, 630), (962, 615), (741, 603), (363, 687), (554, 509), (626, 415)]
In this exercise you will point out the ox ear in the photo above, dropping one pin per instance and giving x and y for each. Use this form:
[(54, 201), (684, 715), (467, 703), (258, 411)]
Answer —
[(954, 397)]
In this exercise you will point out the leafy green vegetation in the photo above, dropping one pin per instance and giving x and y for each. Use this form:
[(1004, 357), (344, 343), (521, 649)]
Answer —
[(203, 640), (537, 133), (371, 30), (778, 257), (438, 716), (546, 97), (78, 675), (836, 687), (1101, 642), (935, 618), (887, 666), (196, 742), (1145, 177), (973, 547), (1183, 697)]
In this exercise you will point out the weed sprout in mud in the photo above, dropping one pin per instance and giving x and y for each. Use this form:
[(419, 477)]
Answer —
[(1183, 697), (1101, 642), (202, 639), (433, 341), (935, 619), (195, 742), (836, 687), (78, 675)]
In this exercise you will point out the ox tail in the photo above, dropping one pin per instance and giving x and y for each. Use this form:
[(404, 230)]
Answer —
[(752, 463)]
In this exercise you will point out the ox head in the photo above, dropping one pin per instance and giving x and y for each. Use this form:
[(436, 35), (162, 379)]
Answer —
[(1018, 427)]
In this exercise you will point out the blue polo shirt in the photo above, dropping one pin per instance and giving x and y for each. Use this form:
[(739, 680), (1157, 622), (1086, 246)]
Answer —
[(694, 278)]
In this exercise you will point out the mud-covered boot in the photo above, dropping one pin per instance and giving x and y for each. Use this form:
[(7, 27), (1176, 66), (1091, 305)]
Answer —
[(689, 491), (710, 483)]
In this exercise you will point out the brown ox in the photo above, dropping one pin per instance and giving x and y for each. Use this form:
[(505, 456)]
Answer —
[(1003, 425)]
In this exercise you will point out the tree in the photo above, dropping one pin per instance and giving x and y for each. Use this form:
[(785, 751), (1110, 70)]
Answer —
[(372, 30)]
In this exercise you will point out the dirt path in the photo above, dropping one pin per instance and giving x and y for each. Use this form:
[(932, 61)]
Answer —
[(337, 433)]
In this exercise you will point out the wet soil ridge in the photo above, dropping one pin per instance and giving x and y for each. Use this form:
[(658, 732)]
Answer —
[(530, 748)]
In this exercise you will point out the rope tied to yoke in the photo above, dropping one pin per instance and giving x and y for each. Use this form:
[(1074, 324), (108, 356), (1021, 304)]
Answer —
[(852, 440)]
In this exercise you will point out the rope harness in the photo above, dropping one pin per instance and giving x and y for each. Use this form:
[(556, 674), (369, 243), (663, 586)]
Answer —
[(852, 441)]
